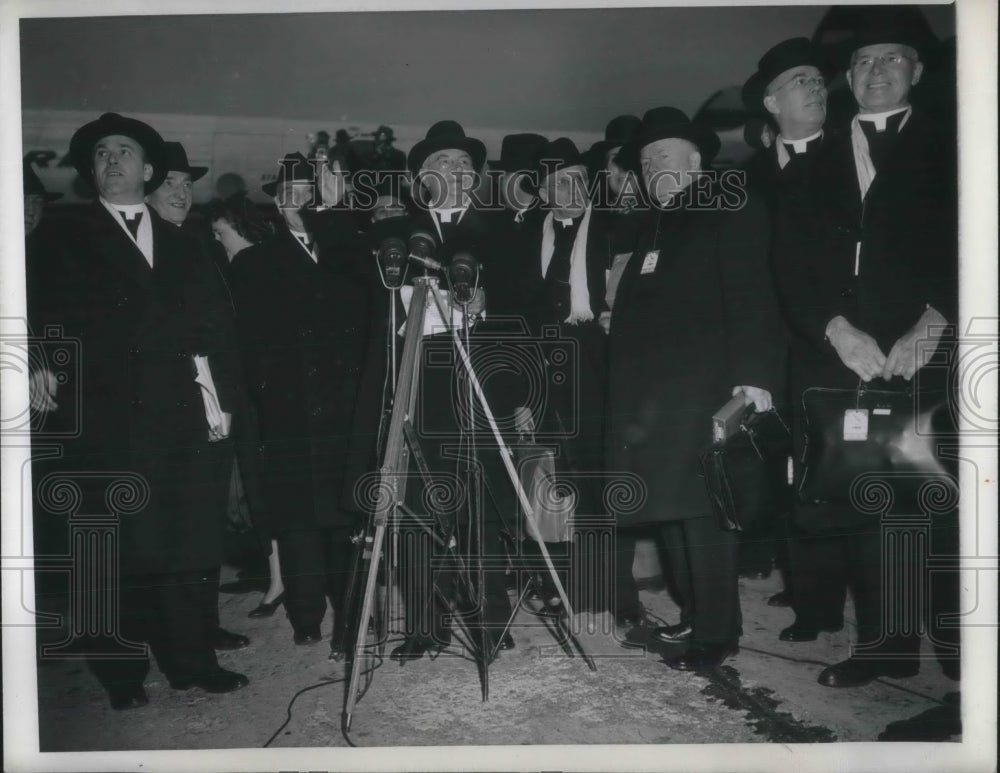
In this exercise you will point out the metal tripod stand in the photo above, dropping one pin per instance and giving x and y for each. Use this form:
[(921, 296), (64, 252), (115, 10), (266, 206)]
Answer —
[(396, 460)]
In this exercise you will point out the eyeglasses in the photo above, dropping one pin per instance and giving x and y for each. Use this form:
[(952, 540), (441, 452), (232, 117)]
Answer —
[(886, 60), (803, 82)]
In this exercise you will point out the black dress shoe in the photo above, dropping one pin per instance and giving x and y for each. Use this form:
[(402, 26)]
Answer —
[(266, 609), (855, 672), (217, 681), (802, 632), (310, 636), (128, 698), (414, 648), (703, 656), (227, 640), (780, 599), (672, 634)]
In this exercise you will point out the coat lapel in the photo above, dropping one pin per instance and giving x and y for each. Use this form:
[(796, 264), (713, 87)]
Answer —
[(115, 246)]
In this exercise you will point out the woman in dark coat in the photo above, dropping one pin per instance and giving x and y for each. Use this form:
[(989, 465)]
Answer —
[(694, 322), (240, 229)]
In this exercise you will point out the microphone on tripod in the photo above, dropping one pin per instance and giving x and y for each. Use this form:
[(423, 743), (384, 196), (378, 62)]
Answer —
[(463, 277), (392, 265), (422, 248)]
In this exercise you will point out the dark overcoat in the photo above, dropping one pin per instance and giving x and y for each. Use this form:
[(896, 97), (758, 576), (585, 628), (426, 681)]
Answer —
[(903, 238), (141, 412), (907, 231), (303, 328), (687, 326)]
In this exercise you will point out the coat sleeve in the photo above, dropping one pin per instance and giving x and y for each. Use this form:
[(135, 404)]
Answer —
[(753, 331)]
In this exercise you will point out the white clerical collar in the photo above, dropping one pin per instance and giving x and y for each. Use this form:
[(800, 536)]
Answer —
[(800, 146), (302, 236), (131, 210), (446, 215), (565, 222), (879, 119)]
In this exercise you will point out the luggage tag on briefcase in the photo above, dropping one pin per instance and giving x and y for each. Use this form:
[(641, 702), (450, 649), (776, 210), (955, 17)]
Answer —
[(856, 424), (649, 262)]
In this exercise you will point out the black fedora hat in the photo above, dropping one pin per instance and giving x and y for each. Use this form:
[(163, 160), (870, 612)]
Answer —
[(33, 186), (518, 151), (294, 167), (794, 52), (552, 156), (663, 123), (902, 25), (81, 145), (619, 131), (175, 160), (446, 135)]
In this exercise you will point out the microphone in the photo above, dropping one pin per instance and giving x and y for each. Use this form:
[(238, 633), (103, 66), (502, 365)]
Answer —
[(391, 258), (463, 276), (422, 246)]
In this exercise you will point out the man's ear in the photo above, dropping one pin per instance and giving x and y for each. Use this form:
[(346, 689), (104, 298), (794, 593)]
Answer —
[(543, 194), (771, 104), (918, 70), (147, 172), (694, 160), (850, 78)]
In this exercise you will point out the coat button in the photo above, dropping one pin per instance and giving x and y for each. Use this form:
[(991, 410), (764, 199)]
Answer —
[(847, 292), (136, 402), (312, 371), (182, 403), (316, 411), (134, 351)]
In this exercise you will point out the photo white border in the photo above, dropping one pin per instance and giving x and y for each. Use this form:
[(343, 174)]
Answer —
[(977, 66)]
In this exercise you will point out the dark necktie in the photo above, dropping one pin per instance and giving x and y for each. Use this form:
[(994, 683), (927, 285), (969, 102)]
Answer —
[(557, 276), (880, 142), (132, 223)]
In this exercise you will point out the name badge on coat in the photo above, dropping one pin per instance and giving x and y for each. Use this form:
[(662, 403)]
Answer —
[(649, 262)]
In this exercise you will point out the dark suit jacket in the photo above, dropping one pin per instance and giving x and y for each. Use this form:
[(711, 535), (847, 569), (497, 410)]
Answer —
[(303, 328), (907, 230), (700, 321), (141, 412)]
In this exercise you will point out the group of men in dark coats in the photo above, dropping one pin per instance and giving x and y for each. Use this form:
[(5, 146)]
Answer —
[(833, 260)]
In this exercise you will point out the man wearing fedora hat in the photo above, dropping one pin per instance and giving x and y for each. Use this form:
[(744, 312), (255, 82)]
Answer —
[(867, 272), (517, 152), (567, 245), (446, 167), (695, 323), (788, 90), (173, 199), (303, 321), (144, 303)]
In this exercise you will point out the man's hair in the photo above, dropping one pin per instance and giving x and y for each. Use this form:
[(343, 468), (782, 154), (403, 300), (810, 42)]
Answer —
[(244, 217)]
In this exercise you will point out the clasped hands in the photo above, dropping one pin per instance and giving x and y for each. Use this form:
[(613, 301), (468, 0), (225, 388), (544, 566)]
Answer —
[(861, 353)]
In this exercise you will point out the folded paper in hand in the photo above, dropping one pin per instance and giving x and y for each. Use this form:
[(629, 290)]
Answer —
[(218, 422), (433, 321)]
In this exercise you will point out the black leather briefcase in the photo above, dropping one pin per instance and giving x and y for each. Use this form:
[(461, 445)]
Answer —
[(746, 473)]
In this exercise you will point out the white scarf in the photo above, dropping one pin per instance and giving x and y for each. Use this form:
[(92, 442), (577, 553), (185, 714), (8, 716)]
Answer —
[(862, 157), (579, 293)]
